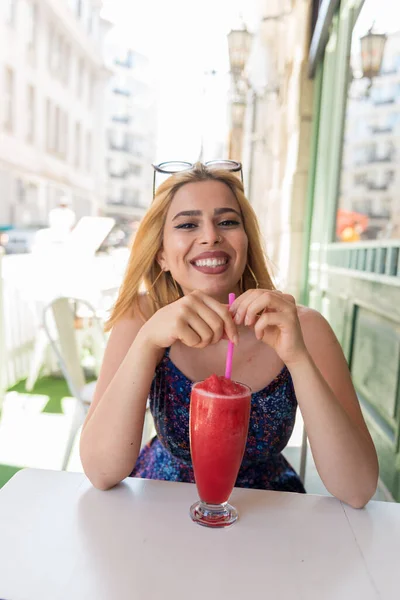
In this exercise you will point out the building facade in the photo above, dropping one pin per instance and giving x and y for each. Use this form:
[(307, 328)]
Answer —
[(277, 130), (370, 171), (52, 82), (131, 132)]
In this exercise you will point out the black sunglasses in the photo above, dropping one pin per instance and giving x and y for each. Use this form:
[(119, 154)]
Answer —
[(176, 166)]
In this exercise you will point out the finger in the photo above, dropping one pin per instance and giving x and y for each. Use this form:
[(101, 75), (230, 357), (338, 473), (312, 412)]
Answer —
[(202, 329), (289, 298), (242, 308), (270, 319), (222, 311), (239, 301), (212, 319), (188, 336), (262, 303)]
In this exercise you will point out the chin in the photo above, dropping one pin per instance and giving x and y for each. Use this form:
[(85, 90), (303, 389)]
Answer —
[(218, 291)]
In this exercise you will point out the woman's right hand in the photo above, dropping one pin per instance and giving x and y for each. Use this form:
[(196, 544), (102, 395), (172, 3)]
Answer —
[(197, 320)]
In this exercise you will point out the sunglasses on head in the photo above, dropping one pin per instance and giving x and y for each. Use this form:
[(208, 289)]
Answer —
[(176, 166)]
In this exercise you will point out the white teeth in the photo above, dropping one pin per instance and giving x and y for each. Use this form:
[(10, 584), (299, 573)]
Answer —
[(211, 262)]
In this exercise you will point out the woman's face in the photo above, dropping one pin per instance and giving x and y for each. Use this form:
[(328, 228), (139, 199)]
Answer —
[(205, 244)]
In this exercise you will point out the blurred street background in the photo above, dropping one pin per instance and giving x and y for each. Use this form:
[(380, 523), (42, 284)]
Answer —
[(305, 93)]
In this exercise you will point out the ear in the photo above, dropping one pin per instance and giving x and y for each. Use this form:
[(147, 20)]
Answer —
[(162, 260)]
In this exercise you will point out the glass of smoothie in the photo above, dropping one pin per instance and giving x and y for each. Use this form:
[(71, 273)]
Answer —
[(219, 422)]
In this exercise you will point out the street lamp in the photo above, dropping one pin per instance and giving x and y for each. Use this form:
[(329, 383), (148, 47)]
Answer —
[(239, 45), (372, 51), (238, 112)]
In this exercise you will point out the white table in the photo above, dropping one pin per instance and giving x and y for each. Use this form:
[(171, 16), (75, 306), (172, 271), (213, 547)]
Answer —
[(62, 539)]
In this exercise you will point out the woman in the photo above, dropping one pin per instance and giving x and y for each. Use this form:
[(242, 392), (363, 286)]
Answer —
[(199, 241)]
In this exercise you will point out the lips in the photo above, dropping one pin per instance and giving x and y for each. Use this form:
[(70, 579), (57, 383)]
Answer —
[(211, 263)]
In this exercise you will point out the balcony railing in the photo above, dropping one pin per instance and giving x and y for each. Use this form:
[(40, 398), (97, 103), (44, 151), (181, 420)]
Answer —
[(384, 129), (126, 203), (369, 258), (380, 159), (119, 147), (125, 119), (370, 185), (127, 63), (384, 101), (121, 175), (122, 92)]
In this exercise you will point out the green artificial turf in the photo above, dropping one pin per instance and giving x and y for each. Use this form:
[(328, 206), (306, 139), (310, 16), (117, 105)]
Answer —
[(56, 389), (6, 472)]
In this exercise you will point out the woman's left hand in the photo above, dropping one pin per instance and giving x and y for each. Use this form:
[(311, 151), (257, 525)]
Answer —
[(275, 321)]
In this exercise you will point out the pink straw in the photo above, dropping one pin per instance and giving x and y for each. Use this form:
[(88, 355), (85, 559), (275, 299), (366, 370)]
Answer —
[(229, 355)]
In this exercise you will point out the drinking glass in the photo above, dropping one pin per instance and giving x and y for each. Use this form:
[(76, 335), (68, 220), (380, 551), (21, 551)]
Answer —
[(218, 433)]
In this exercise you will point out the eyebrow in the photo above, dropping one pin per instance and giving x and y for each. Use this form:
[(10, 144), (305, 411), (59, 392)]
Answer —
[(198, 213)]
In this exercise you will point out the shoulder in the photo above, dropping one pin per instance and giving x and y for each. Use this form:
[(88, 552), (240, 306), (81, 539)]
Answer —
[(145, 306), (133, 319), (315, 327)]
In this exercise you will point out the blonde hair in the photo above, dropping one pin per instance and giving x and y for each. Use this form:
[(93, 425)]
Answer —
[(143, 272)]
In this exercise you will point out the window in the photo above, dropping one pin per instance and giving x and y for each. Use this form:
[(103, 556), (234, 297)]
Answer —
[(90, 21), (30, 115), (370, 171), (10, 11), (64, 135), (66, 63), (131, 197), (135, 169), (80, 76), (31, 25), (8, 99), (88, 152), (54, 51), (48, 124), (79, 8), (56, 130), (77, 151), (50, 42), (91, 89)]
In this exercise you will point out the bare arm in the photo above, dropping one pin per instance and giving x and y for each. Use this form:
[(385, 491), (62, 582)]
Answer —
[(342, 447), (112, 432), (340, 442)]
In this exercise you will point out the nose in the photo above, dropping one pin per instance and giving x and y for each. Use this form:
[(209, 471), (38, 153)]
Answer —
[(211, 237)]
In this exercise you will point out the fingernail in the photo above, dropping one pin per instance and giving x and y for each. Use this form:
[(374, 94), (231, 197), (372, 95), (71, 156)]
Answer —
[(236, 339), (237, 318), (247, 321)]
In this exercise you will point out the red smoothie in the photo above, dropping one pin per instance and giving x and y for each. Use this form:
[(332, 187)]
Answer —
[(219, 421)]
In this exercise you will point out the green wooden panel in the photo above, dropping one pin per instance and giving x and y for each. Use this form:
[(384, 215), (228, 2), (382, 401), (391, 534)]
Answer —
[(337, 314), (375, 363), (388, 472)]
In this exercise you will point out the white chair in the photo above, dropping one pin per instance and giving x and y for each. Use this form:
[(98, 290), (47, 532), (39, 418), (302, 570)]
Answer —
[(71, 326)]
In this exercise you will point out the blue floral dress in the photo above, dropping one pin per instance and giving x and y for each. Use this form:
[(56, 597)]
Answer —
[(272, 418)]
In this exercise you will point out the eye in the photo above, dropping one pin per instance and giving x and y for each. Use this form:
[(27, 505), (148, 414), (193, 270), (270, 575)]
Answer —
[(229, 223), (186, 226)]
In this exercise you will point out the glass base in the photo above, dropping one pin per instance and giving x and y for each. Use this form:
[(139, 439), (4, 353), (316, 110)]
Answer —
[(213, 515)]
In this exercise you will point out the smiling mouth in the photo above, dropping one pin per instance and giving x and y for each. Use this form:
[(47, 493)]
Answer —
[(211, 266), (210, 262)]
